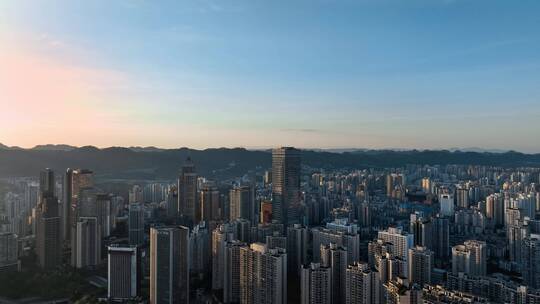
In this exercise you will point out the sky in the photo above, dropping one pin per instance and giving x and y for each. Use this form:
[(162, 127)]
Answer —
[(425, 74)]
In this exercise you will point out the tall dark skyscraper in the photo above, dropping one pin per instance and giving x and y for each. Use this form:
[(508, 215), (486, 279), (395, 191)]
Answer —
[(187, 191), (47, 182), (169, 268), (48, 237), (286, 185), (136, 224)]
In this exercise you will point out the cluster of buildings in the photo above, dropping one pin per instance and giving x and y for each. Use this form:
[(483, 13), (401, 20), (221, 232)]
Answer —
[(417, 234)]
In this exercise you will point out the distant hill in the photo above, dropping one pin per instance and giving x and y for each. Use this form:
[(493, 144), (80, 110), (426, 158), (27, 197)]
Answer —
[(54, 148), (150, 163)]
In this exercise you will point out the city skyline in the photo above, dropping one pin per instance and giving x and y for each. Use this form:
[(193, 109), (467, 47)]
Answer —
[(323, 74)]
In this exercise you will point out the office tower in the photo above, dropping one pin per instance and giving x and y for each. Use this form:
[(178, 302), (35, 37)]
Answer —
[(231, 279), (531, 261), (105, 214), (316, 284), (220, 236), (286, 185), (470, 258), (88, 243), (47, 183), (446, 202), (297, 247), (209, 202), (421, 228), (187, 191), (263, 275), (335, 257), (136, 224), (48, 230), (242, 204), (440, 238), (200, 249), (362, 284), (9, 258), (172, 202), (75, 181), (124, 272), (169, 269), (67, 198), (420, 265), (400, 240)]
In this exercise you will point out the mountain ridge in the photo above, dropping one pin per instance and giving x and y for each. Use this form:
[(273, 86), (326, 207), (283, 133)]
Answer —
[(224, 163)]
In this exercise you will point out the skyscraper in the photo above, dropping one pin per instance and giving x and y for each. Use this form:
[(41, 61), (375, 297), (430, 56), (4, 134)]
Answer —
[(136, 224), (286, 185), (242, 202), (209, 202), (263, 275), (420, 265), (400, 240), (48, 230), (446, 202), (187, 191), (531, 261), (88, 243), (220, 236), (440, 238), (316, 284), (335, 257), (172, 202), (124, 272), (9, 258), (297, 248), (169, 269), (362, 284), (231, 279), (470, 258)]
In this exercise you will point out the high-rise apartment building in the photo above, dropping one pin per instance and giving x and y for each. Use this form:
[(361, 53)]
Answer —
[(470, 258), (9, 258), (401, 242), (263, 275), (420, 265), (209, 203), (231, 279), (316, 284), (335, 257), (297, 248), (530, 261), (362, 284), (286, 185), (242, 204)]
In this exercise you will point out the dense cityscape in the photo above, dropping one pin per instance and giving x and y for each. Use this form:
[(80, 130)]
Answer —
[(289, 233)]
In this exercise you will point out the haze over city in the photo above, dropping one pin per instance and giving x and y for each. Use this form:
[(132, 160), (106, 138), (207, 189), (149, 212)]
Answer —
[(313, 74)]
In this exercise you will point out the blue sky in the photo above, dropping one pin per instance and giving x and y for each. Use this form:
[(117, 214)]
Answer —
[(371, 74)]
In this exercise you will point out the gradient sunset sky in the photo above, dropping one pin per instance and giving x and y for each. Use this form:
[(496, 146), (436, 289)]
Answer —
[(312, 73)]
